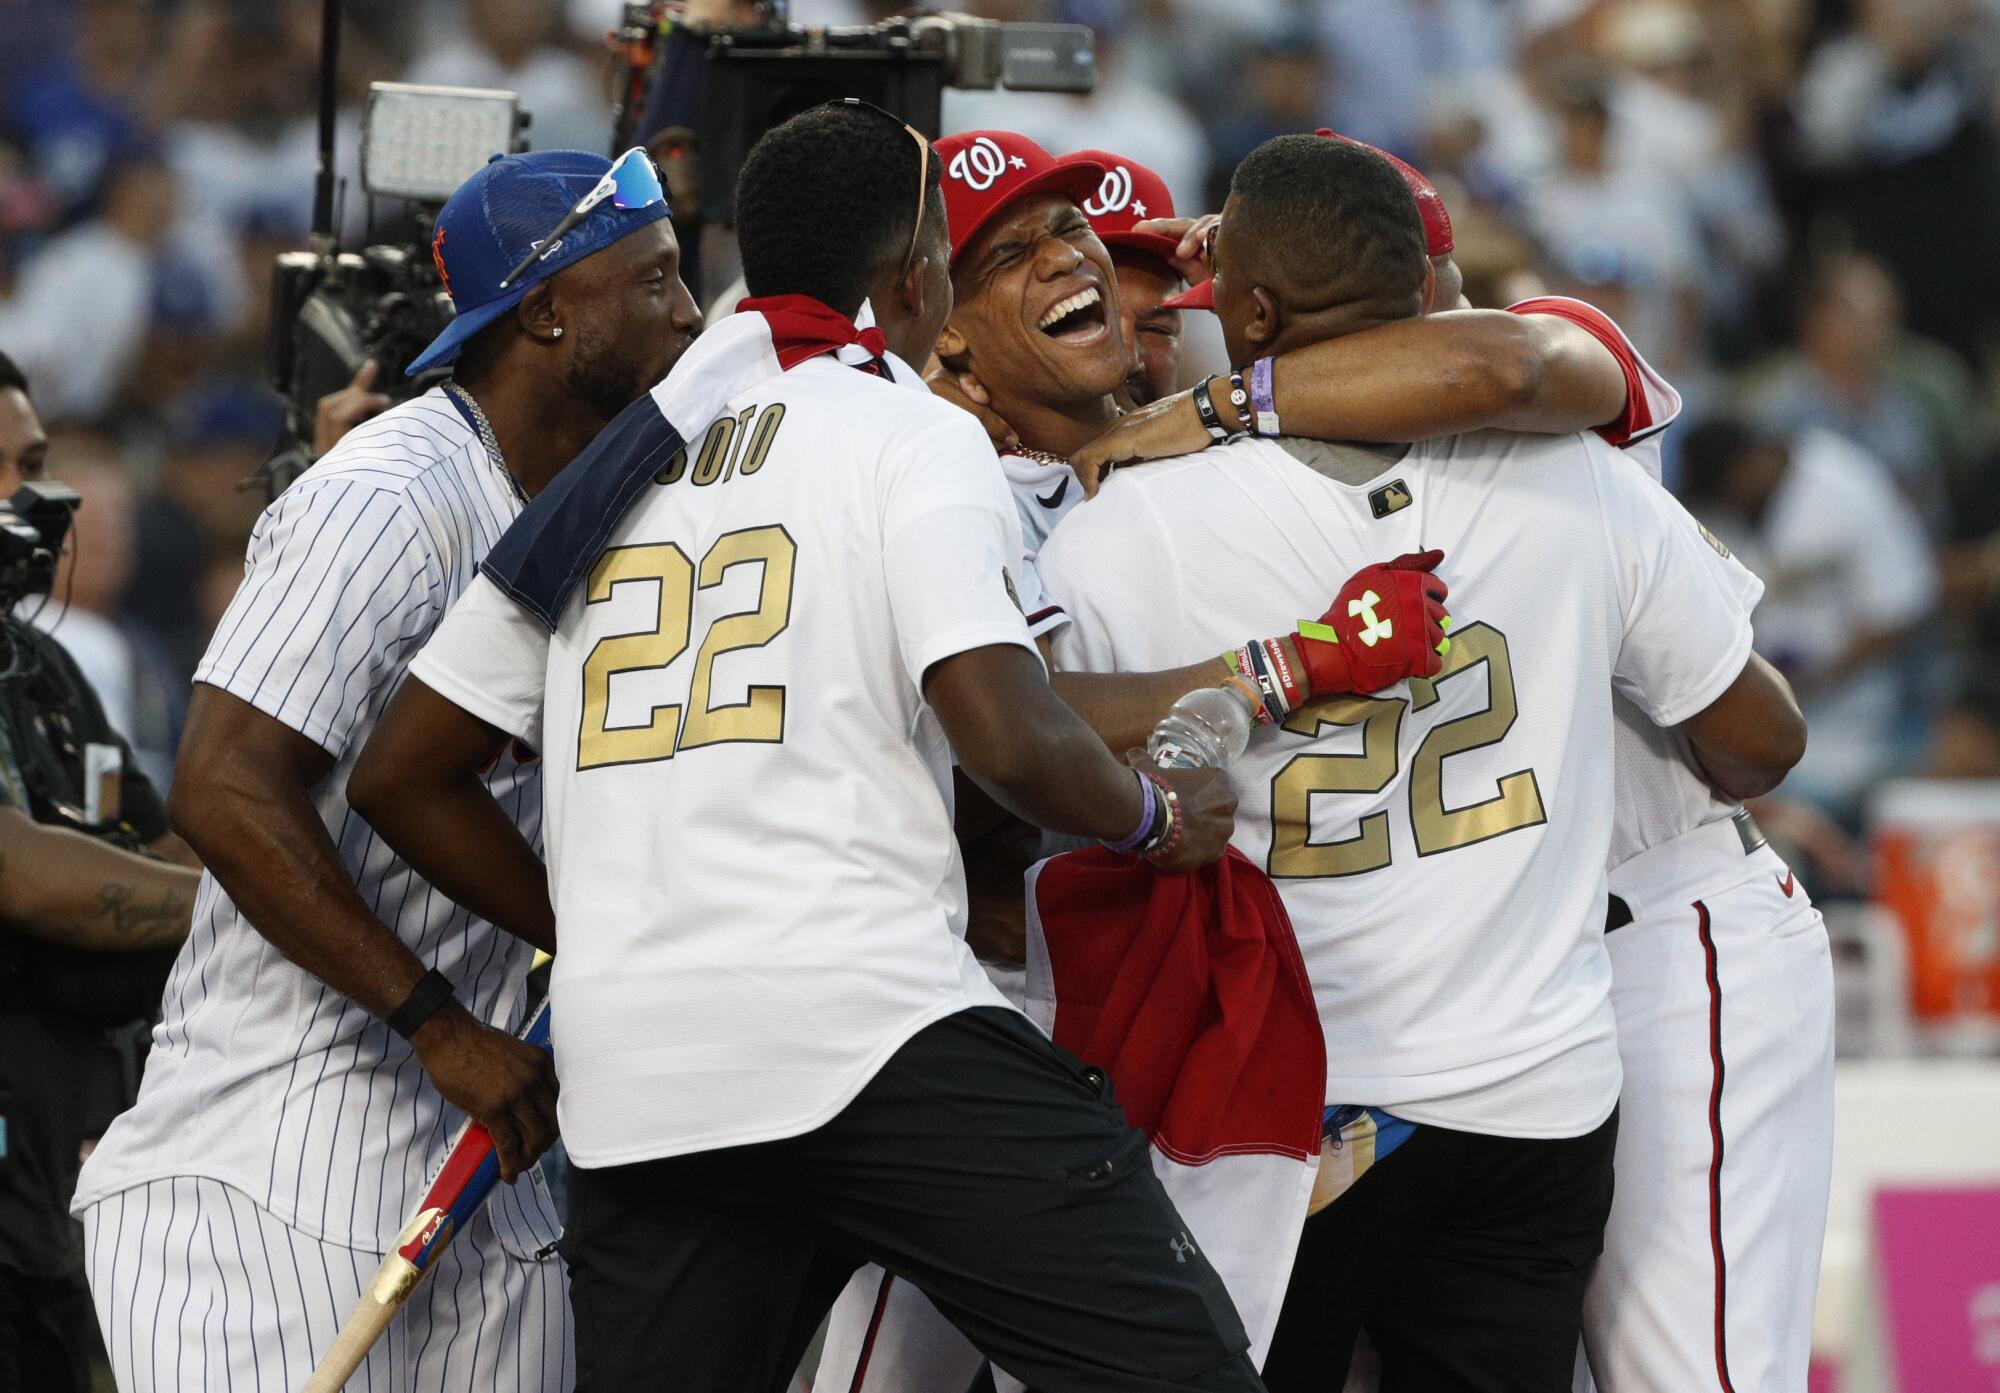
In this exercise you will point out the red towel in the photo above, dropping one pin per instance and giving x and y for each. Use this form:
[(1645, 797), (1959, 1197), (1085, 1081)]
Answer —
[(1190, 992)]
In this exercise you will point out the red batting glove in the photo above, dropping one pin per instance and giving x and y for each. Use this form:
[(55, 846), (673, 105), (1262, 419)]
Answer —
[(1388, 623)]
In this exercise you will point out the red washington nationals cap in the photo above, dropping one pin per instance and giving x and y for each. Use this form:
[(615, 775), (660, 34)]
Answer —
[(1430, 207), (1129, 193), (984, 171)]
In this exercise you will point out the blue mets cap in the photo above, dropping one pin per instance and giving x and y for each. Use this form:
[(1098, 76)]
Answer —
[(521, 219)]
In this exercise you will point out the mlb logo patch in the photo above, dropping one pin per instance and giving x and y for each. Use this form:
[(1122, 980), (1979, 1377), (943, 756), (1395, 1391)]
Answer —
[(1392, 497)]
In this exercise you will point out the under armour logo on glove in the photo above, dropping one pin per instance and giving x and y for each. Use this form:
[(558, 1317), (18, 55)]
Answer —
[(1378, 629), (1388, 623)]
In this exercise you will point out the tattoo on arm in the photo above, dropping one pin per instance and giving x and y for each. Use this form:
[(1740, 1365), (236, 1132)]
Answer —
[(124, 913)]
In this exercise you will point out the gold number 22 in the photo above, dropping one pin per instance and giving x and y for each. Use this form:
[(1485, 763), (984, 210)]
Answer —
[(758, 719), (1517, 802)]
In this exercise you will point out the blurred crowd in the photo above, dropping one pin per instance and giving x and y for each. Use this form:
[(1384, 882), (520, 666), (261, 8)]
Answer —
[(1793, 206)]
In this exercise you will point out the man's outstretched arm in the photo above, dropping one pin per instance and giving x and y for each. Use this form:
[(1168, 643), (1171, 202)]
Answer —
[(1443, 374), (70, 889)]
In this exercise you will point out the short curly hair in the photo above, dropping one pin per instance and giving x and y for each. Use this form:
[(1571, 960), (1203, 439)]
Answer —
[(1330, 219), (824, 202)]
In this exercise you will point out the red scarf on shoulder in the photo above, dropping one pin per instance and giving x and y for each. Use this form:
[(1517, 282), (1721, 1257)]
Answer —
[(802, 328)]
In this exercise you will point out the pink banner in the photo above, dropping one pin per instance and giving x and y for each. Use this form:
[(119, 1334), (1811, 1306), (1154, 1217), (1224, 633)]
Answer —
[(1939, 1259)]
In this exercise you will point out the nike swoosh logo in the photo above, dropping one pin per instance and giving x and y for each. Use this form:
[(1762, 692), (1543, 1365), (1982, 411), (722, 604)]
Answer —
[(1786, 884), (1053, 499)]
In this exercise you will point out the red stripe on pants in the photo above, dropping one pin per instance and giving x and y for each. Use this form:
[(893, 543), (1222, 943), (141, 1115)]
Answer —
[(874, 1329), (1715, 1153)]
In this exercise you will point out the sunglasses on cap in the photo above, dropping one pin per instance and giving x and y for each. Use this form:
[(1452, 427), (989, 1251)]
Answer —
[(631, 182), (923, 168)]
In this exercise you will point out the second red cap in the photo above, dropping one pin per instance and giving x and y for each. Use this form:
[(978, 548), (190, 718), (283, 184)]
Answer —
[(1128, 194)]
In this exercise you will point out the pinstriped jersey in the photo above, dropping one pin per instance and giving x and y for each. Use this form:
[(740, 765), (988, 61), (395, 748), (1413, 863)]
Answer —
[(261, 1076)]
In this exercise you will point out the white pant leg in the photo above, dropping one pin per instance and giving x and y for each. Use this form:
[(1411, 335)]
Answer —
[(1725, 1145), (199, 1287), (196, 1287), (884, 1336), (488, 1320)]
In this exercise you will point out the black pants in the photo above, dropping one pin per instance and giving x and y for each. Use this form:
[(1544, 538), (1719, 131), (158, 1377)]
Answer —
[(1465, 1257), (48, 1333), (982, 1163)]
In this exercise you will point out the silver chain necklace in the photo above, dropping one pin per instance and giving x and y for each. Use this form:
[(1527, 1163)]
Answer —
[(486, 438)]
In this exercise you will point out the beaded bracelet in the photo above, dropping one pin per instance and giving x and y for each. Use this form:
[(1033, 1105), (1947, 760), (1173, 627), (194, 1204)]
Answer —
[(1148, 810), (1239, 397), (1170, 835)]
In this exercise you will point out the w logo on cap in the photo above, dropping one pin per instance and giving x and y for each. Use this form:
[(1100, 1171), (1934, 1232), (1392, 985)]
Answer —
[(978, 164), (1112, 194)]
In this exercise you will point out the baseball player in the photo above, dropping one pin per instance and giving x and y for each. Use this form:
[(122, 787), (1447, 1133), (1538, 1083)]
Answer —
[(1471, 1050), (743, 641), (1128, 195), (332, 1018), (1721, 976)]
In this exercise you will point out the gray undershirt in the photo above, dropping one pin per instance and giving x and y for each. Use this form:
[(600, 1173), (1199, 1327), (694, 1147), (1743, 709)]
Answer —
[(1344, 462)]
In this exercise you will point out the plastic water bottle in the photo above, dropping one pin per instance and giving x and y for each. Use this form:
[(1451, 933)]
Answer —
[(1206, 729)]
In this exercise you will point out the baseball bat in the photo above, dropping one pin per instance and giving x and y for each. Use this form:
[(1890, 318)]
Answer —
[(468, 1176)]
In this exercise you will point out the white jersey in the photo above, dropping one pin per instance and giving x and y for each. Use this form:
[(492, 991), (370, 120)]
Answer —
[(261, 1076), (1440, 848), (756, 884), (1044, 492), (1658, 794)]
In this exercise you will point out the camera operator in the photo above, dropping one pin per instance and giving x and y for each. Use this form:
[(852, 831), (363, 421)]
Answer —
[(88, 925)]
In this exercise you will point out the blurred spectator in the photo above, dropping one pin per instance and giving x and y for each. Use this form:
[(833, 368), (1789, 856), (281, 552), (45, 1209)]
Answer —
[(1856, 372), (1674, 119), (1848, 577), (1391, 62), (1966, 743), (1278, 95), (79, 309), (224, 433), (81, 107), (1618, 236), (143, 693), (1897, 114), (514, 44), (1125, 114)]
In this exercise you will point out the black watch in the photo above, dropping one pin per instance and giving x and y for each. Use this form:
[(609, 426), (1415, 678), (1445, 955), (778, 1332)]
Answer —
[(1204, 407), (425, 1000)]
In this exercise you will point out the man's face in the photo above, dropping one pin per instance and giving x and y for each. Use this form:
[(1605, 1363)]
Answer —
[(632, 320), (1034, 293), (1152, 333), (24, 446), (1234, 304)]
